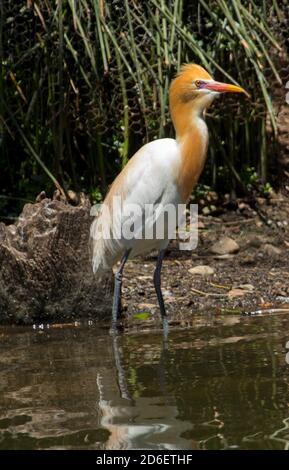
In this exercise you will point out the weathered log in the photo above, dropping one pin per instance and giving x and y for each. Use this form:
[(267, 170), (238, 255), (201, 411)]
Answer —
[(45, 268)]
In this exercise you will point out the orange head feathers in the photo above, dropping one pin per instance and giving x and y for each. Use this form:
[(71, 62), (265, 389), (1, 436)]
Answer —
[(185, 84), (192, 92)]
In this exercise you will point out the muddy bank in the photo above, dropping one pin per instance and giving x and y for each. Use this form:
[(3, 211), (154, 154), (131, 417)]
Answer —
[(253, 274), (241, 265), (45, 269)]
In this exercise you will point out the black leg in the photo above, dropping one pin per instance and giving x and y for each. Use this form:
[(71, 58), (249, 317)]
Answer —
[(116, 306), (121, 375), (157, 283)]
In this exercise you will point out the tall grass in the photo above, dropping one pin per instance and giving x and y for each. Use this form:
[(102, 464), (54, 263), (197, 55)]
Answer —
[(85, 83)]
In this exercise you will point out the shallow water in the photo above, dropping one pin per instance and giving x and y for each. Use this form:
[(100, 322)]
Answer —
[(223, 383)]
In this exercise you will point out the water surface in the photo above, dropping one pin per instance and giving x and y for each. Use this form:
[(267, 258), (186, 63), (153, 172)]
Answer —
[(221, 384)]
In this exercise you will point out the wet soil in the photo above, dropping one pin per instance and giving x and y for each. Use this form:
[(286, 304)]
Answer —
[(254, 278)]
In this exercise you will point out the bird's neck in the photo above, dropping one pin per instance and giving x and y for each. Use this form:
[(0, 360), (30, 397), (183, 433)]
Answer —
[(192, 137)]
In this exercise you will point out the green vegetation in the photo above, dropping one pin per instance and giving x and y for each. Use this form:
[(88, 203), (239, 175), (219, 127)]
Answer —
[(84, 84)]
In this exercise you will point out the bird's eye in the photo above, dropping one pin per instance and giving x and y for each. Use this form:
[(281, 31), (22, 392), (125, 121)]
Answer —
[(198, 83)]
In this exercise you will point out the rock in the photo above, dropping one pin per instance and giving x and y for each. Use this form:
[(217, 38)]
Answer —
[(271, 250), (240, 290), (236, 292), (144, 306), (202, 270), (225, 245), (45, 268), (206, 210)]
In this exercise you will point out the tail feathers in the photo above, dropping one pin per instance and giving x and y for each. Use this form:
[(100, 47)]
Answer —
[(102, 259), (105, 250)]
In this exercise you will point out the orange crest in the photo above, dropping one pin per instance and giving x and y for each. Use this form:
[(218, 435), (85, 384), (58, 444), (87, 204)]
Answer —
[(192, 72), (188, 74)]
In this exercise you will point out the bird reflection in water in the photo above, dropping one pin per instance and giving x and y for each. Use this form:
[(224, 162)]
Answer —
[(138, 421)]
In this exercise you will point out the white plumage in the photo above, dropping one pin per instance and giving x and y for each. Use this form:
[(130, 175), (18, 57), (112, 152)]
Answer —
[(150, 177)]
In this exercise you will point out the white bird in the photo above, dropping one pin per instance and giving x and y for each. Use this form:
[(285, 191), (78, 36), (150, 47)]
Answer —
[(162, 172)]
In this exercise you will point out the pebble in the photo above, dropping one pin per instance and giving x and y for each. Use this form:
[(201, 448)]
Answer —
[(225, 245), (202, 270), (271, 250), (236, 292)]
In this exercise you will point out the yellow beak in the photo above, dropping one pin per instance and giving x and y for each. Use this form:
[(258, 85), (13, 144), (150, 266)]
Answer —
[(221, 87)]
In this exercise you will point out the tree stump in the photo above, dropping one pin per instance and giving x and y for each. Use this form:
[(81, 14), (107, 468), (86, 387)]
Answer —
[(45, 267)]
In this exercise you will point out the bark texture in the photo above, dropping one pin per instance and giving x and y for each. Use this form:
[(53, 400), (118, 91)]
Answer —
[(45, 268)]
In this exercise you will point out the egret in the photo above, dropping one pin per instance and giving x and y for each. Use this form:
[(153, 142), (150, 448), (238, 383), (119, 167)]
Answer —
[(161, 172)]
